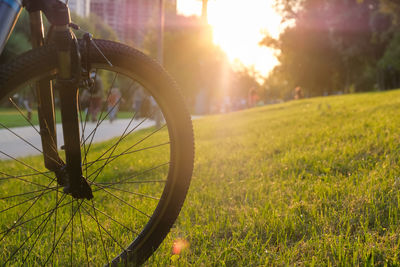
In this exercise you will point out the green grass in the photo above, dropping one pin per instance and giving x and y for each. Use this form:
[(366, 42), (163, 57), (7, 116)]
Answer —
[(310, 182), (39, 227)]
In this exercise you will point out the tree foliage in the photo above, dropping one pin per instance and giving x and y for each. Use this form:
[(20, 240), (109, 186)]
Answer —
[(336, 46), (200, 67)]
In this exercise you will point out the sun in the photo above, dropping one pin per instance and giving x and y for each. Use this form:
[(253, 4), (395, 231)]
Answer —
[(239, 26)]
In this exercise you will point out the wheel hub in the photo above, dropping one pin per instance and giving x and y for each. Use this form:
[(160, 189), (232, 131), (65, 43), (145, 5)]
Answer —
[(78, 188)]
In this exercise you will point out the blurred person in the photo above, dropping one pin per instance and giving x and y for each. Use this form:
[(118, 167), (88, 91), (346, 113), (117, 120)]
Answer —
[(298, 93), (137, 101), (253, 98), (113, 102), (27, 101), (96, 99)]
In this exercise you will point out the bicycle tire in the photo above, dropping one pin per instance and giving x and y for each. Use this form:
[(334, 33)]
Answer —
[(127, 63)]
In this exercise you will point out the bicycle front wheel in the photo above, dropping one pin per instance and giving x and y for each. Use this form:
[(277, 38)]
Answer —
[(137, 155)]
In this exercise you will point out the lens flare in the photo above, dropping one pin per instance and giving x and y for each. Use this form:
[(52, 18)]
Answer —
[(179, 246)]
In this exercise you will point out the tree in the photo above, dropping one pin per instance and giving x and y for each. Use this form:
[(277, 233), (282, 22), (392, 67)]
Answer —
[(306, 55), (96, 26), (332, 45), (193, 59)]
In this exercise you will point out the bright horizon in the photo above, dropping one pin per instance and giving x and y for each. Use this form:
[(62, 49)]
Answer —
[(239, 28)]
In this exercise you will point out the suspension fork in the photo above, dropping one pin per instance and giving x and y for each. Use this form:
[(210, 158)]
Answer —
[(69, 175), (45, 99), (67, 86), (68, 78)]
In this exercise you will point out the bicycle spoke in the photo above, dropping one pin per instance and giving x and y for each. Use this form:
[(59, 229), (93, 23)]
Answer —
[(37, 238), (72, 231), (145, 138), (127, 153), (132, 193), (104, 229), (25, 201), (119, 140), (108, 216), (133, 176), (53, 144), (29, 182), (83, 125), (87, 113), (55, 227), (111, 153), (27, 239), (123, 136), (9, 176), (22, 114), (62, 234), (87, 151), (132, 182), (126, 203), (16, 205), (101, 235), (33, 126), (26, 211), (84, 238), (137, 143), (20, 137), (93, 132), (31, 219), (26, 165), (27, 142), (27, 193)]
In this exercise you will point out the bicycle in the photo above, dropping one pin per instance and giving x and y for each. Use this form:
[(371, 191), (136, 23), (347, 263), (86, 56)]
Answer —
[(87, 202)]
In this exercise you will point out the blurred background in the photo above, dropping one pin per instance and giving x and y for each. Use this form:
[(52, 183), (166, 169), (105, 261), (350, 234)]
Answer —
[(228, 55)]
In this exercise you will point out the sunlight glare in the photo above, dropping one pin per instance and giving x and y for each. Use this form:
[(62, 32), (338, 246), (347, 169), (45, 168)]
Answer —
[(239, 26), (189, 7)]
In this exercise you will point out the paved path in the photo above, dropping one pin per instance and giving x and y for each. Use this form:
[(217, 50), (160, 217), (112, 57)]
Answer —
[(13, 145)]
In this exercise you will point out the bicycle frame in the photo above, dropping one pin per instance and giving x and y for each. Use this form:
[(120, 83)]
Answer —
[(9, 13), (69, 174)]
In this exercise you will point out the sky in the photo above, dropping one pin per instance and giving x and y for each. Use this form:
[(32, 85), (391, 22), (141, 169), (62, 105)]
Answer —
[(238, 27)]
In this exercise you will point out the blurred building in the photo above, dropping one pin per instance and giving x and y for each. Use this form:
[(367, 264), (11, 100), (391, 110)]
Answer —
[(111, 12), (140, 17), (80, 7), (132, 20)]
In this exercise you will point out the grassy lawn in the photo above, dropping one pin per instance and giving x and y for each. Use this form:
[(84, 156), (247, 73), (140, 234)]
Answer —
[(310, 182)]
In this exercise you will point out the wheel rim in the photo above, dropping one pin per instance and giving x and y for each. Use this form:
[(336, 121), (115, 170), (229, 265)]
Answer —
[(42, 225)]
